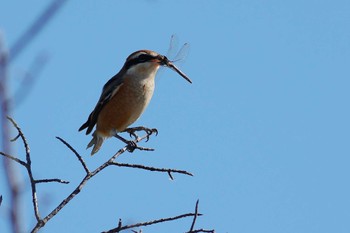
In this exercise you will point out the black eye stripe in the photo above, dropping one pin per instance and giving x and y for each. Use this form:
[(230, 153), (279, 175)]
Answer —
[(144, 57), (140, 59)]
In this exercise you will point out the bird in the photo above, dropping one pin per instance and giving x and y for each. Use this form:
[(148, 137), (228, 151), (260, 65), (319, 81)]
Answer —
[(125, 97)]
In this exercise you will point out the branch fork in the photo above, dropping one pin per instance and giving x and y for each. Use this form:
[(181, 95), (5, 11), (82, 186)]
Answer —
[(89, 174)]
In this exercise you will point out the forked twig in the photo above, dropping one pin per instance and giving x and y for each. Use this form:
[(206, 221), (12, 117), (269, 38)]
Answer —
[(195, 216), (131, 226), (122, 228), (194, 222), (28, 165), (89, 174)]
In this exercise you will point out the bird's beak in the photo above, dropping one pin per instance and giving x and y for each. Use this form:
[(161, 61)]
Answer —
[(165, 62)]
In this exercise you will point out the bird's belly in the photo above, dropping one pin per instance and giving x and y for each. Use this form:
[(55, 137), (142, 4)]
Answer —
[(124, 108)]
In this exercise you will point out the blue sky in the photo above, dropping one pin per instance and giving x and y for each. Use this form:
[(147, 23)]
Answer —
[(264, 126)]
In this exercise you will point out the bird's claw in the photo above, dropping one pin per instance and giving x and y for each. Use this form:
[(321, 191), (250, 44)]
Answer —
[(132, 144), (148, 131), (133, 134)]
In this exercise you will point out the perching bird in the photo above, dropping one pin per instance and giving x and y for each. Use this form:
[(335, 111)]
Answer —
[(125, 96)]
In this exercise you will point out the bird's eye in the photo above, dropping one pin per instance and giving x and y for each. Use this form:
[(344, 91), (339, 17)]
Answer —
[(143, 57)]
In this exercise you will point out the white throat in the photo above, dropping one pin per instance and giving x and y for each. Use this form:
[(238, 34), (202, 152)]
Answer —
[(143, 71)]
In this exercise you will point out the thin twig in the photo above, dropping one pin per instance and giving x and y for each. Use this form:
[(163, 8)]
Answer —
[(195, 216), (25, 143), (29, 169), (121, 228), (78, 189), (15, 138), (89, 175), (76, 154), (202, 230), (52, 180), (14, 159), (166, 170), (194, 222)]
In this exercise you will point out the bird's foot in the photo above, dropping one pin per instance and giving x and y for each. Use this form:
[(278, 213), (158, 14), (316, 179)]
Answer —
[(132, 145), (132, 132)]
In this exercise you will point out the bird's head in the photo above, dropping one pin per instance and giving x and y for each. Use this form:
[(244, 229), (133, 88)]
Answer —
[(149, 60)]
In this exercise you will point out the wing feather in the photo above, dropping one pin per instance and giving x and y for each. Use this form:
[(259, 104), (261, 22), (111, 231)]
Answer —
[(108, 91)]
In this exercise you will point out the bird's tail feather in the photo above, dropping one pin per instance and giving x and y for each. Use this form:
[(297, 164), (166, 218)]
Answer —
[(96, 141)]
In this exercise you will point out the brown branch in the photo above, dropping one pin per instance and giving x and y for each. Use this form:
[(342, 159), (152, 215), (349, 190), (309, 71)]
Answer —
[(166, 170), (122, 228)]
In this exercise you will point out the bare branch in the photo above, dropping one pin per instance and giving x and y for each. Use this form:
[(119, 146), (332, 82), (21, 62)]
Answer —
[(194, 222), (89, 175), (15, 138), (78, 189), (136, 231), (10, 173), (14, 159), (202, 230), (15, 51), (52, 180), (195, 217), (20, 133), (76, 154), (111, 161), (35, 28), (121, 228), (166, 170), (28, 166)]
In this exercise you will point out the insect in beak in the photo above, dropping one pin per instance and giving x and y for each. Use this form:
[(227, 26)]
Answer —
[(164, 61)]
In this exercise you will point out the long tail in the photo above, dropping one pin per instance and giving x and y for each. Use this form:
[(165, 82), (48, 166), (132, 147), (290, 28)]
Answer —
[(96, 141)]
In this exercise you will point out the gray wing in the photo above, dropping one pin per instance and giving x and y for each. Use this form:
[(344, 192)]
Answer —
[(108, 91)]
